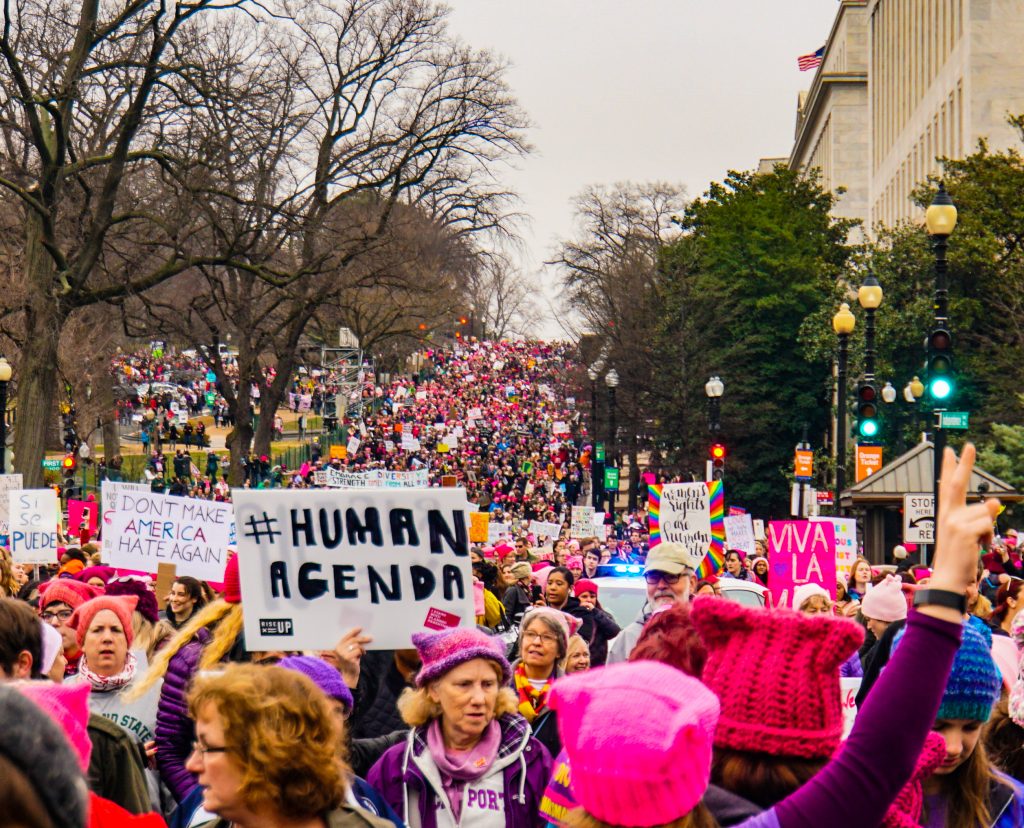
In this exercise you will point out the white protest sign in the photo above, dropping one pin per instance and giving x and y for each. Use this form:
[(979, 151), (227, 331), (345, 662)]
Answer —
[(409, 443), (559, 427), (684, 517), (34, 515), (545, 530), (739, 533), (315, 563), (846, 543), (142, 530), (759, 530), (848, 690), (598, 520), (389, 446), (353, 445), (496, 531), (421, 395), (7, 483), (582, 525), (474, 414)]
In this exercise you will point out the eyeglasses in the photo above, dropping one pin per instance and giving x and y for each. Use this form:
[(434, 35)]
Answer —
[(656, 575), (545, 638), (202, 750), (60, 615)]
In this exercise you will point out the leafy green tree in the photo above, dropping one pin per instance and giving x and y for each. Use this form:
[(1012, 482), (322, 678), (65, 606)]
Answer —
[(760, 253)]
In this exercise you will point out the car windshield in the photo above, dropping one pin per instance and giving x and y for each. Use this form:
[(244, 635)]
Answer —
[(624, 597)]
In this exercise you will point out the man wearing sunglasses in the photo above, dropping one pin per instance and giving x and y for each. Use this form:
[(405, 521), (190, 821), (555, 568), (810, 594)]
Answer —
[(669, 576)]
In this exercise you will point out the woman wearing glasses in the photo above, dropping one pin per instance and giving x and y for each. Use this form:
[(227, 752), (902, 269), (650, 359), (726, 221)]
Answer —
[(470, 758), (249, 720), (58, 600)]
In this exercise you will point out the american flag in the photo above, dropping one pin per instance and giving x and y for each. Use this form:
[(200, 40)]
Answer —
[(811, 61)]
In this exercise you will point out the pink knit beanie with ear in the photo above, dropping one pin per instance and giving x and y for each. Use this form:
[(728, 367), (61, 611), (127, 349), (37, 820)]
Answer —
[(638, 737), (885, 601), (777, 675), (68, 706)]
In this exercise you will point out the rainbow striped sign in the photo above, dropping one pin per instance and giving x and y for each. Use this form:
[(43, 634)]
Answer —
[(711, 500)]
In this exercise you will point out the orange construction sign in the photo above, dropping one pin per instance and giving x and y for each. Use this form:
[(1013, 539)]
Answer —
[(803, 464), (869, 460)]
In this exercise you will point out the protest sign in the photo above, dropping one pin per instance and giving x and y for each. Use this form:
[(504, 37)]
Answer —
[(34, 515), (7, 482), (545, 530), (166, 573), (389, 446), (353, 445), (848, 690), (373, 479), (496, 531), (421, 396), (559, 427), (478, 525), (582, 524), (142, 530), (759, 530), (449, 481), (474, 414), (692, 514), (739, 533), (442, 448), (336, 452), (800, 552), (83, 511), (846, 543), (598, 520), (312, 563)]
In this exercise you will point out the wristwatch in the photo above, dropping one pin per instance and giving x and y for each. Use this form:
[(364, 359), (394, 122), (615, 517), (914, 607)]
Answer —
[(941, 598)]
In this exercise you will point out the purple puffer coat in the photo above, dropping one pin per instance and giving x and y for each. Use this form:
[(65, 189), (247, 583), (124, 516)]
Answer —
[(175, 730), (525, 779)]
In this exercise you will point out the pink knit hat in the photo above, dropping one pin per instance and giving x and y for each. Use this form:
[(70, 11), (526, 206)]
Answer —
[(905, 811), (68, 706), (122, 606), (569, 624), (66, 591), (638, 737), (445, 650), (885, 601), (777, 674)]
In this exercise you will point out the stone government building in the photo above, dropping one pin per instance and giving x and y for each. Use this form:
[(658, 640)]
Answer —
[(903, 82)]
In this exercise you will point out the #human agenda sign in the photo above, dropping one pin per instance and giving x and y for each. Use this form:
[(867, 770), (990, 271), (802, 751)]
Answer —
[(313, 564)]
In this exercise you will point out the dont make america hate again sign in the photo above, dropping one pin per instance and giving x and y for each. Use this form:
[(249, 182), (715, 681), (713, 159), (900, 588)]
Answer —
[(142, 530), (314, 564)]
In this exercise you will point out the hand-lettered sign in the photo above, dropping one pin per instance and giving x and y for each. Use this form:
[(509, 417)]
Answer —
[(800, 552), (315, 563), (34, 515), (692, 514)]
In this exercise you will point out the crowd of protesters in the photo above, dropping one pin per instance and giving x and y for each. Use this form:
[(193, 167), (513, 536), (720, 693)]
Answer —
[(124, 707)]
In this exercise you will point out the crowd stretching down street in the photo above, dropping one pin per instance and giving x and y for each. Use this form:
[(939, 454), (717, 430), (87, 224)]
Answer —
[(131, 700)]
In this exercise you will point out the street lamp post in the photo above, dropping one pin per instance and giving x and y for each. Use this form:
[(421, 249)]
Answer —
[(611, 379), (940, 219), (595, 482), (843, 324), (5, 377)]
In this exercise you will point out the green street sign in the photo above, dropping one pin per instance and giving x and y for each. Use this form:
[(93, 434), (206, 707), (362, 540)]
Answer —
[(599, 452), (51, 463), (953, 419), (611, 478)]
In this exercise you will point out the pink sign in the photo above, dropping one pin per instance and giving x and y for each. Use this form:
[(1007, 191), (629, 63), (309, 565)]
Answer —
[(800, 552), (83, 511)]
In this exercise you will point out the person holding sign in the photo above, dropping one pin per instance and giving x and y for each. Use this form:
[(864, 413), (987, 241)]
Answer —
[(470, 758)]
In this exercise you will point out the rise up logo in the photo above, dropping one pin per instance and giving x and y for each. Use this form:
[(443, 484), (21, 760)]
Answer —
[(276, 626)]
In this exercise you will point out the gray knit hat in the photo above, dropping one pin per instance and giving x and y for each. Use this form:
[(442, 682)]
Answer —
[(36, 746)]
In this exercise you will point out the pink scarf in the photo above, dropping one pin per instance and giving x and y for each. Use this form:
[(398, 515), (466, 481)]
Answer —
[(459, 767), (104, 684)]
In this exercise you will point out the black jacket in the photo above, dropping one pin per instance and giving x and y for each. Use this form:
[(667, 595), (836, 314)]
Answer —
[(376, 697)]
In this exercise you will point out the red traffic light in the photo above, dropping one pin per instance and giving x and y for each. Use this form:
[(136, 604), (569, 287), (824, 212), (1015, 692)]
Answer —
[(718, 452), (463, 320), (68, 463)]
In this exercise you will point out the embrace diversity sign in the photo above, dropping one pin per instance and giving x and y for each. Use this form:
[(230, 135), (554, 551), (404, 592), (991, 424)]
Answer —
[(313, 564)]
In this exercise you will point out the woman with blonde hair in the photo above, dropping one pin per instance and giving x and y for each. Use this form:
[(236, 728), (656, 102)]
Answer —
[(212, 635), (577, 658), (470, 758), (249, 721)]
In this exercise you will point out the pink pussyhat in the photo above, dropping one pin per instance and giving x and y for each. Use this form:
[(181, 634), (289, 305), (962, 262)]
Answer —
[(638, 737), (68, 706)]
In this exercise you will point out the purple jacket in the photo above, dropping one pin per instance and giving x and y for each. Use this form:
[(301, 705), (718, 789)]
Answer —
[(395, 775), (175, 730)]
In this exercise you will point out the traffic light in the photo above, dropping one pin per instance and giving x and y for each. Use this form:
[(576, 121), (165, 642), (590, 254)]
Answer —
[(941, 382), (70, 435), (68, 464), (67, 486), (463, 320), (867, 411), (718, 453)]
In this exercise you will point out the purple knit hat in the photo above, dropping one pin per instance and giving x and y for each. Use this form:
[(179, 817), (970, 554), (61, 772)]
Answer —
[(445, 650), (147, 606), (323, 675)]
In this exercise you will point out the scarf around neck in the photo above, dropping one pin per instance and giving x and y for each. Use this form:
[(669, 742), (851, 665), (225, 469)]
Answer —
[(459, 767), (532, 701), (104, 684)]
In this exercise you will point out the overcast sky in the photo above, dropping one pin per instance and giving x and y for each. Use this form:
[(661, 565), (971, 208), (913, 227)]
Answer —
[(643, 90)]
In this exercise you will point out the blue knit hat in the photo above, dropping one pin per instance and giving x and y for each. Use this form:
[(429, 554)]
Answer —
[(974, 682)]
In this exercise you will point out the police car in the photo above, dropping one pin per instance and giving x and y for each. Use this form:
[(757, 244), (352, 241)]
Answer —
[(622, 591)]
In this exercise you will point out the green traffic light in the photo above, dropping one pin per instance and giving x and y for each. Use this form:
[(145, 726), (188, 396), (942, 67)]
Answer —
[(868, 428), (940, 388)]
